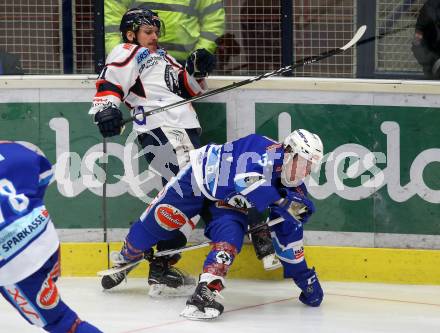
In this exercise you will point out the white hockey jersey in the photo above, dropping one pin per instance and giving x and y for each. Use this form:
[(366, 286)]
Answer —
[(27, 234), (145, 81)]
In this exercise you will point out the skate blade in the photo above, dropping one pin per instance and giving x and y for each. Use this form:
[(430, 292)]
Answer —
[(271, 262), (161, 290), (191, 312)]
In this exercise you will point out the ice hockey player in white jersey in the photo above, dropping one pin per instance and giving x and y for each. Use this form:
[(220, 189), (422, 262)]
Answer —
[(226, 180), (29, 246), (144, 77)]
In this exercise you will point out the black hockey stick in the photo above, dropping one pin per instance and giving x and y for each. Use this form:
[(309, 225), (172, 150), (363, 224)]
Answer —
[(384, 32), (122, 268), (310, 60)]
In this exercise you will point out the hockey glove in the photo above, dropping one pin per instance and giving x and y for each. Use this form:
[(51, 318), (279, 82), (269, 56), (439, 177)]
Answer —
[(109, 122), (294, 206), (311, 291), (200, 63), (262, 241), (289, 224)]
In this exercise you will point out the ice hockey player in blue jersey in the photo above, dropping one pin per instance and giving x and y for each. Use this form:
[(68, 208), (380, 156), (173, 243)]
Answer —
[(29, 245), (224, 181)]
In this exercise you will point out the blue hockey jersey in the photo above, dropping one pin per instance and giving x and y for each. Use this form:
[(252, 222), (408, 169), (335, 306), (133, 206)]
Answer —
[(244, 173), (27, 235)]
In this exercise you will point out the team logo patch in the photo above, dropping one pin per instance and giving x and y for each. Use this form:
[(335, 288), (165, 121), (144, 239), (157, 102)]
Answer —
[(239, 201), (223, 257), (224, 205), (171, 79), (169, 217), (48, 296), (299, 253)]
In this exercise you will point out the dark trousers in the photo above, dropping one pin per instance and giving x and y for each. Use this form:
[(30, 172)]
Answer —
[(166, 150)]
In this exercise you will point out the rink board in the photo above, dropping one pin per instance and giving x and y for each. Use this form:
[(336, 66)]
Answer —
[(406, 266), (398, 121)]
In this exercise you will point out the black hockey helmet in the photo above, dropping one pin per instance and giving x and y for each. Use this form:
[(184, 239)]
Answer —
[(135, 17)]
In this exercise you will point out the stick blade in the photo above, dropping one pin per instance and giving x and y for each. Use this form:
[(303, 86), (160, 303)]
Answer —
[(119, 269), (358, 35)]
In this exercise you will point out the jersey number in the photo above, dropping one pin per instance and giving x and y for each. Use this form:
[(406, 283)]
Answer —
[(17, 202), (264, 160)]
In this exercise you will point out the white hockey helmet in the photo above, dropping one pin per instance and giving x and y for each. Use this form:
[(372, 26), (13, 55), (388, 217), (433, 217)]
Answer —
[(306, 149)]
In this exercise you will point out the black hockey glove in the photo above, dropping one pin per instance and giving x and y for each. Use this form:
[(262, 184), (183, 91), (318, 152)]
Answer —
[(109, 121), (200, 63)]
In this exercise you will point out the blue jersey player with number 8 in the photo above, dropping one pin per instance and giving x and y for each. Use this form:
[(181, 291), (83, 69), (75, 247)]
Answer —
[(29, 245)]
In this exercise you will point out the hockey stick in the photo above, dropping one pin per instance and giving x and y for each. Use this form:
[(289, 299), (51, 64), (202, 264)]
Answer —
[(104, 198), (310, 60), (198, 246), (119, 269), (384, 32)]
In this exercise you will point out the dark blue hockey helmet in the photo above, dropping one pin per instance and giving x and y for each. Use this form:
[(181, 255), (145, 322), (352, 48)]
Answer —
[(135, 17)]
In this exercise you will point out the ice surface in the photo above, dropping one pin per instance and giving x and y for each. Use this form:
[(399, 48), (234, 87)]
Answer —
[(250, 306)]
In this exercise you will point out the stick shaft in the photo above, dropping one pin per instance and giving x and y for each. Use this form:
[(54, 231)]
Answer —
[(184, 249), (204, 244), (359, 33)]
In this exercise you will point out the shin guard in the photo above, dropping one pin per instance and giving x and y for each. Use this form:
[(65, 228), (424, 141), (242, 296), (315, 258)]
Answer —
[(220, 259)]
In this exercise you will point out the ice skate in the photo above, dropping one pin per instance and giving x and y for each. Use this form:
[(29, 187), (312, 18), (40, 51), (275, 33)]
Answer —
[(166, 280), (202, 304)]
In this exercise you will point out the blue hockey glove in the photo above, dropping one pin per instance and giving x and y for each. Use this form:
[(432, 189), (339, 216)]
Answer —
[(290, 222), (311, 291), (295, 196), (200, 63), (294, 206), (109, 122)]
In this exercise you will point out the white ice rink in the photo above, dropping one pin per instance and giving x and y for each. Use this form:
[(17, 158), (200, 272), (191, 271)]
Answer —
[(250, 306)]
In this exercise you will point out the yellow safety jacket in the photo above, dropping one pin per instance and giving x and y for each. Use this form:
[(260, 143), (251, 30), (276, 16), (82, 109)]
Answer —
[(189, 24)]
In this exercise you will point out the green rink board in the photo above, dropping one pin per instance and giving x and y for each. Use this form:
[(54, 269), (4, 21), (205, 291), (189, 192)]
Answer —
[(336, 124), (341, 124), (30, 122)]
